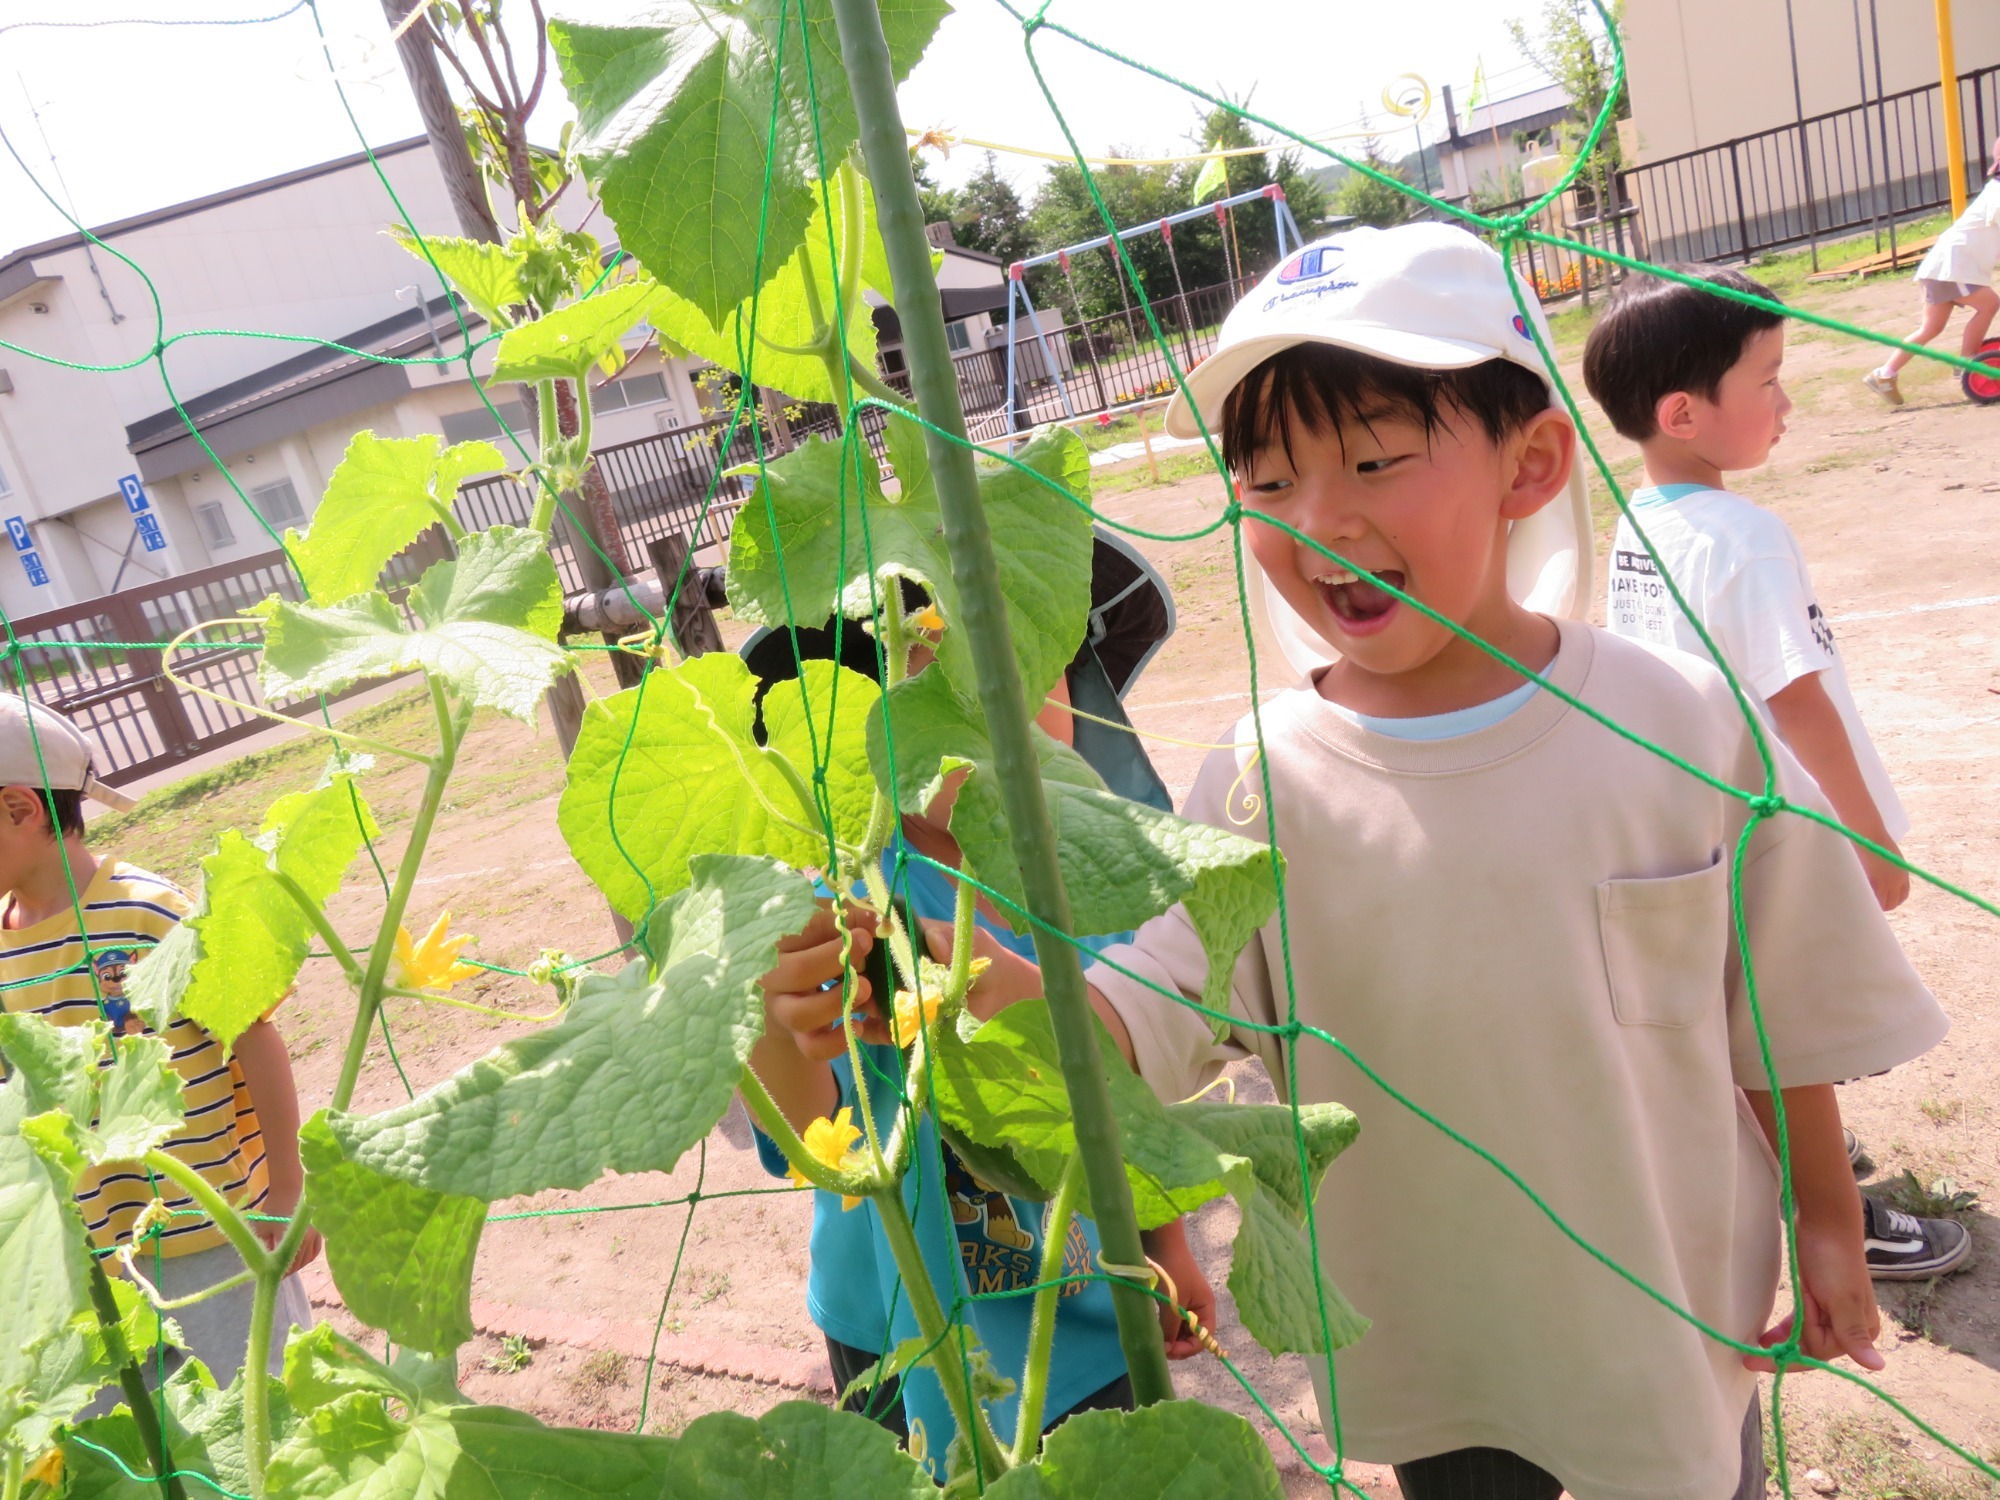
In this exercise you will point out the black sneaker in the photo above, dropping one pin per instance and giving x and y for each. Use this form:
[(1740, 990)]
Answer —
[(1903, 1247)]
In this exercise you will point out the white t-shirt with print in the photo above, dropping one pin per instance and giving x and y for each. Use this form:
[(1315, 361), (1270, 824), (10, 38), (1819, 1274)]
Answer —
[(1741, 571)]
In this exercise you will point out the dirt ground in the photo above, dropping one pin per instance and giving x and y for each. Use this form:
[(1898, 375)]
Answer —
[(1899, 513)]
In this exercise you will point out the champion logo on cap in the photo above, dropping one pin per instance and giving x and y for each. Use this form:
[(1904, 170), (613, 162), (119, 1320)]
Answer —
[(1521, 327), (1312, 262)]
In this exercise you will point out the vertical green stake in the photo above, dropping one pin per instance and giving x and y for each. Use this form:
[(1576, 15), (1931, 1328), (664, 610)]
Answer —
[(934, 382)]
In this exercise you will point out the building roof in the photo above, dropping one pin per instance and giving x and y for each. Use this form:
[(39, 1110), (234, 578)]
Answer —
[(318, 385), (1534, 110), (198, 205)]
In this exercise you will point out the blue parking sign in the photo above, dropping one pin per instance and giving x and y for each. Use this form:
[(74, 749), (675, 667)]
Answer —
[(17, 530), (134, 493), (37, 574), (149, 531)]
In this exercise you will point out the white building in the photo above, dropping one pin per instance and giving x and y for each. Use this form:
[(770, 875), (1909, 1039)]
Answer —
[(1482, 154), (297, 258)]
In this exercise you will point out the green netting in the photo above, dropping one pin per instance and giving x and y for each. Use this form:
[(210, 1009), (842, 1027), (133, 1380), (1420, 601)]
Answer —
[(1763, 801)]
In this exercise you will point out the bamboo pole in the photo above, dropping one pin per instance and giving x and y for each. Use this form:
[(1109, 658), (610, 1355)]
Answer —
[(932, 380)]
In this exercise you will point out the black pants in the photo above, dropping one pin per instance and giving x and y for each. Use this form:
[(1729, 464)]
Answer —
[(884, 1403), (1496, 1474)]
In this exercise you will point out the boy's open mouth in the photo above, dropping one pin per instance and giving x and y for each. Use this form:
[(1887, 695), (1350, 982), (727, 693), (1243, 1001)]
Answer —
[(1354, 599)]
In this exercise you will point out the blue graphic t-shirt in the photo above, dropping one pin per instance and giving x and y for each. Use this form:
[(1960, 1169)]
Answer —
[(974, 1239)]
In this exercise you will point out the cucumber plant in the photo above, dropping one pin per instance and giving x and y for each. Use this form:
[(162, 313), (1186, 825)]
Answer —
[(733, 147)]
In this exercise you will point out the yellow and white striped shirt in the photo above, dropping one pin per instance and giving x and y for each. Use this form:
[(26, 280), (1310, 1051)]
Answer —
[(43, 972)]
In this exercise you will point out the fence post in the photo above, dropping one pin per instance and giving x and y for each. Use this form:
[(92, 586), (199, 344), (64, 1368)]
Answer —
[(170, 718), (693, 623), (1742, 219)]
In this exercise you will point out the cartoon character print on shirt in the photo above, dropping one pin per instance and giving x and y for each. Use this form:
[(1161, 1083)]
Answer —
[(111, 966), (999, 1254)]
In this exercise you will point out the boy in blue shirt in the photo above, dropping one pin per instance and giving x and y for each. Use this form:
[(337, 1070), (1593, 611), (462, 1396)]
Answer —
[(974, 1238)]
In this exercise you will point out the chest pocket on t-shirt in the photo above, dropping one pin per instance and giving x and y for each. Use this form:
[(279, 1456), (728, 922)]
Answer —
[(1665, 942)]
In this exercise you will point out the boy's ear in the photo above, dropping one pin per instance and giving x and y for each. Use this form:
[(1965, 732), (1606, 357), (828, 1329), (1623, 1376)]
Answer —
[(22, 807), (1544, 452), (1674, 416)]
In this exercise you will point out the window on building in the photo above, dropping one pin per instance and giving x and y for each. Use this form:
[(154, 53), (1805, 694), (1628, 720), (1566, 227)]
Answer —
[(633, 390), (278, 503), (470, 426), (958, 336), (213, 519)]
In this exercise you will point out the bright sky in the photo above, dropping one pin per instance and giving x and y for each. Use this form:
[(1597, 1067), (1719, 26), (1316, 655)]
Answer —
[(145, 116)]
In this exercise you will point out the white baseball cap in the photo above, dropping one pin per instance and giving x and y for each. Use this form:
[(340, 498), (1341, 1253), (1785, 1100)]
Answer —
[(1429, 295), (26, 725)]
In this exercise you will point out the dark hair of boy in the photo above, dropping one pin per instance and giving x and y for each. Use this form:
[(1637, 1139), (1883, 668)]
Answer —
[(65, 813), (1659, 336), (1326, 387)]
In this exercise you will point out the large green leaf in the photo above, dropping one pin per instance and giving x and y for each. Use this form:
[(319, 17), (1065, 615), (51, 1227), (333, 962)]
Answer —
[(401, 1255), (1003, 1087), (488, 276), (782, 312), (566, 343), (1271, 1277), (502, 576), (239, 950), (1264, 1135), (639, 1070), (1041, 546), (798, 1450), (382, 494), (204, 1433), (826, 724), (671, 769), (43, 1262), (676, 125), (1176, 1450), (54, 1067), (1123, 862), (74, 1366), (353, 1448), (324, 649)]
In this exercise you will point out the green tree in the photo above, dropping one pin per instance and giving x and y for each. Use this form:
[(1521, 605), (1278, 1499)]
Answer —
[(1256, 234), (1372, 201), (987, 214), (1572, 47)]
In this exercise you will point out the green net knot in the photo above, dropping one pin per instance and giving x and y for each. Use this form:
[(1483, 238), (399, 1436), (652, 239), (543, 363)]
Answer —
[(1767, 804), (1038, 20), (1232, 513)]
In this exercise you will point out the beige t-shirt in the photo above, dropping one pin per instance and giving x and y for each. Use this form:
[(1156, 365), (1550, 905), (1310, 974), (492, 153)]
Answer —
[(1526, 930)]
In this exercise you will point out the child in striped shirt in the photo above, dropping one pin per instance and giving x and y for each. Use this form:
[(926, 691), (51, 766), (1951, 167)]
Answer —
[(71, 925)]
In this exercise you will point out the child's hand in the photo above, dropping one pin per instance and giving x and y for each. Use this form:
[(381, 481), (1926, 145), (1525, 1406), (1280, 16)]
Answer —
[(1839, 1299), (281, 1203), (802, 994), (1008, 977), (1168, 1248), (1891, 883)]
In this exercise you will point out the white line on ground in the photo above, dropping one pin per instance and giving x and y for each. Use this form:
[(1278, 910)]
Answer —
[(1920, 609)]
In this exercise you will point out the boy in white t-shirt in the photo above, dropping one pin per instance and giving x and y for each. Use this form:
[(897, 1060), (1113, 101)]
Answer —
[(1515, 917), (1693, 379)]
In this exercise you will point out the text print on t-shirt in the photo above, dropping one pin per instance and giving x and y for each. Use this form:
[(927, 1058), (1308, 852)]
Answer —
[(1640, 605)]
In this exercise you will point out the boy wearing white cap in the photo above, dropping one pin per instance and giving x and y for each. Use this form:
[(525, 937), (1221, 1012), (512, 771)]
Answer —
[(65, 957), (1517, 918)]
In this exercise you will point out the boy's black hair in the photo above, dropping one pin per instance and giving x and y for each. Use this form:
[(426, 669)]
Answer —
[(1327, 387), (1659, 336), (65, 805)]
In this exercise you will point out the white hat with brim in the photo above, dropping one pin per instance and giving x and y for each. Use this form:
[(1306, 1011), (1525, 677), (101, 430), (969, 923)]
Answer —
[(1428, 295), (63, 764)]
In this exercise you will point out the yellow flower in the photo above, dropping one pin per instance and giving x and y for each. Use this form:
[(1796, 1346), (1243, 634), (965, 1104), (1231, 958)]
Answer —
[(48, 1469), (831, 1144), (432, 964), (908, 1021), (927, 618)]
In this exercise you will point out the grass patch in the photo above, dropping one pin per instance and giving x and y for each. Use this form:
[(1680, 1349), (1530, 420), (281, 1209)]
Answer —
[(175, 825), (1138, 476), (514, 1355), (602, 1372), (1866, 1456)]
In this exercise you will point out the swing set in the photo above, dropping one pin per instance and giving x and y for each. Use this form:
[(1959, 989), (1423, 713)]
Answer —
[(1019, 301)]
